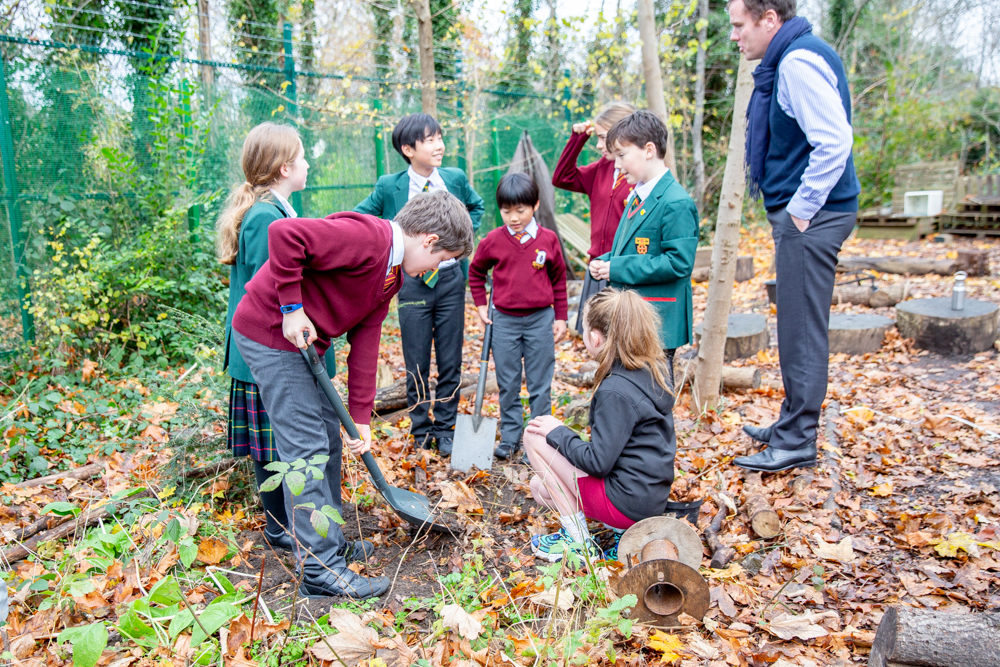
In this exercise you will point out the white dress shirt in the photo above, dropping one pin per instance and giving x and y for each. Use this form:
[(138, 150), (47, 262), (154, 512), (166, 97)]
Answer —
[(642, 190), (396, 256), (807, 91), (284, 204), (531, 231), (417, 183)]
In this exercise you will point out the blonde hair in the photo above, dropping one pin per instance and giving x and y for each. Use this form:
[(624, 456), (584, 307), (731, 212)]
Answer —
[(631, 330), (613, 112), (266, 149)]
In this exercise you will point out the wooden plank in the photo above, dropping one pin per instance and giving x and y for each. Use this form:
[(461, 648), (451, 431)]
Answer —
[(942, 175)]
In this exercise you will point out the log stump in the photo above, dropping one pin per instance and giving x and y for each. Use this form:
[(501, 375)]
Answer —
[(746, 335), (857, 334), (744, 269), (908, 636), (934, 326), (973, 261), (763, 519)]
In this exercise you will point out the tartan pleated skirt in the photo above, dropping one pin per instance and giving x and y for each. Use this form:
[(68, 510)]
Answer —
[(250, 431)]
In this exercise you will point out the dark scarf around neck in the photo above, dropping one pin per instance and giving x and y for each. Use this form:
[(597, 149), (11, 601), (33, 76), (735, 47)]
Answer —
[(758, 129)]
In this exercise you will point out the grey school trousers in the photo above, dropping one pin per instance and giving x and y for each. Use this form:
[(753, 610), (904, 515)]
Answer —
[(805, 263), (304, 425), (526, 340)]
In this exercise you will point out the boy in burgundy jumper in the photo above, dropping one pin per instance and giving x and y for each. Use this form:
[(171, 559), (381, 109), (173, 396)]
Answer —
[(529, 299), (326, 278)]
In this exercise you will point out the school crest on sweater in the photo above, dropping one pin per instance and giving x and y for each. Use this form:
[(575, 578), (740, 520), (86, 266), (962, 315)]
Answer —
[(539, 259)]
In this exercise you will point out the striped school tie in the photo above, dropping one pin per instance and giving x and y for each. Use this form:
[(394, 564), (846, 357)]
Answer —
[(427, 186), (391, 279), (519, 236), (634, 206), (430, 278)]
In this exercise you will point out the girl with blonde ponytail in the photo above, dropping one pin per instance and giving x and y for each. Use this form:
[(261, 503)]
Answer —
[(274, 167), (624, 473)]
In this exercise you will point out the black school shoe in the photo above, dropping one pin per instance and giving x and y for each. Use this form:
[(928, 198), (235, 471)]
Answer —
[(342, 581), (776, 460), (357, 550), (445, 445), (759, 433), (505, 450)]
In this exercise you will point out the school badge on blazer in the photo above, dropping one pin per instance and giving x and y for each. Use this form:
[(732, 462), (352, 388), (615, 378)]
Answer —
[(539, 259), (641, 245)]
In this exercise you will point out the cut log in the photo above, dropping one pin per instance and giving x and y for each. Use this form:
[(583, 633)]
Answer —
[(973, 261), (85, 520), (746, 335), (213, 469), (744, 270), (582, 380), (916, 266), (763, 519), (908, 636), (934, 326), (47, 522), (747, 377), (83, 472), (852, 333), (721, 554), (864, 295)]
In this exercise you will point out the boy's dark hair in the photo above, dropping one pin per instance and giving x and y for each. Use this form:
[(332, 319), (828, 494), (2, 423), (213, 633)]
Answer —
[(440, 213), (517, 188), (785, 9), (639, 129), (413, 128)]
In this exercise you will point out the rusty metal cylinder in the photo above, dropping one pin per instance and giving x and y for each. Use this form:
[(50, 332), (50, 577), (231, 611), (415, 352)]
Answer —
[(658, 549)]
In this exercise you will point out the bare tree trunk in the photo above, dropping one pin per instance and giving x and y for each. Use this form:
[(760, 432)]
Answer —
[(428, 87), (654, 78), (725, 249), (205, 45), (552, 35), (697, 124)]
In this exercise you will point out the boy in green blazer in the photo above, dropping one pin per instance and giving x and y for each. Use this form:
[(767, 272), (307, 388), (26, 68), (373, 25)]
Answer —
[(431, 307), (654, 247)]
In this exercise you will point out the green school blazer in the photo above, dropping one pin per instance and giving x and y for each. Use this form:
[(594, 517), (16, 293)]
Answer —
[(251, 256), (653, 253), (393, 191)]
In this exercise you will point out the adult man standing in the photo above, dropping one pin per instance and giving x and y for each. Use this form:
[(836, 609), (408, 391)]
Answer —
[(798, 156)]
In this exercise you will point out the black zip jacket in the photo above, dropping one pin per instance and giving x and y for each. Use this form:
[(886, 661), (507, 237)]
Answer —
[(632, 442)]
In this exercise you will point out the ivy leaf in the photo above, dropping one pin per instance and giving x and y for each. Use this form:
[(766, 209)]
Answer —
[(320, 523), (173, 530), (166, 592), (272, 483), (188, 551), (88, 642), (62, 509), (213, 618), (296, 482)]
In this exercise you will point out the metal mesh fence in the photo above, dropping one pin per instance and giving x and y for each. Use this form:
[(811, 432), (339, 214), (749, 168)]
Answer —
[(82, 96)]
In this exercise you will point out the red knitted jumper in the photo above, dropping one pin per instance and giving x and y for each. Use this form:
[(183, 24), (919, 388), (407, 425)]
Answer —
[(336, 268), (607, 198), (522, 284)]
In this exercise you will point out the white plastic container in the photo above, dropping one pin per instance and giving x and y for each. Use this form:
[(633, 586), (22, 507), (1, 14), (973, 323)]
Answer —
[(923, 202)]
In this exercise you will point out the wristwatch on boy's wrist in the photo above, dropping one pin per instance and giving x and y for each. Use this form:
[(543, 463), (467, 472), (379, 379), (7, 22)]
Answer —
[(291, 308)]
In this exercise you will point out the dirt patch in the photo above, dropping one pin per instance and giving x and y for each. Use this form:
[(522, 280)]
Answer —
[(415, 561)]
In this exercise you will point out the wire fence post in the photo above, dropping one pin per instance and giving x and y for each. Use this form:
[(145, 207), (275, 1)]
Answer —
[(496, 164), (14, 211), (379, 139), (463, 162), (291, 92), (194, 211)]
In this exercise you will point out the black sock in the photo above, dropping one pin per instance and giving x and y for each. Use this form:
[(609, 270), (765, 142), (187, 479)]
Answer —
[(273, 501)]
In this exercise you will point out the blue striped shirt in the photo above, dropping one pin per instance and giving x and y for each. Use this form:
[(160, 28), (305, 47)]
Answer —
[(807, 91)]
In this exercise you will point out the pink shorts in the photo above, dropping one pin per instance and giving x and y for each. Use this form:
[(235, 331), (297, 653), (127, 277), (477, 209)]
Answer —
[(597, 506)]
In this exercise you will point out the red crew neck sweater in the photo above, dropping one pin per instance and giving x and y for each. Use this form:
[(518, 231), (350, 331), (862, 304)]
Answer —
[(607, 201), (519, 286), (336, 268)]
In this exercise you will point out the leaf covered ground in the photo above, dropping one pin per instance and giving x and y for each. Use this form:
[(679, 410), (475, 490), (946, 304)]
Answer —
[(903, 509)]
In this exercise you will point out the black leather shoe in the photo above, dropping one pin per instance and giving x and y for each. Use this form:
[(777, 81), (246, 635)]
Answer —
[(423, 442), (759, 433), (444, 446), (342, 581), (357, 550), (505, 450), (775, 460), (280, 541)]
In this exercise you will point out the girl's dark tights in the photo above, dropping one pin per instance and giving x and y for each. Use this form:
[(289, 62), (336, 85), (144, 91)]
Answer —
[(273, 501)]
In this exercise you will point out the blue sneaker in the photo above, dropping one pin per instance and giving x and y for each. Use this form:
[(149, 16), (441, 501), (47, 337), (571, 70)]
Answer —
[(555, 546), (611, 553)]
